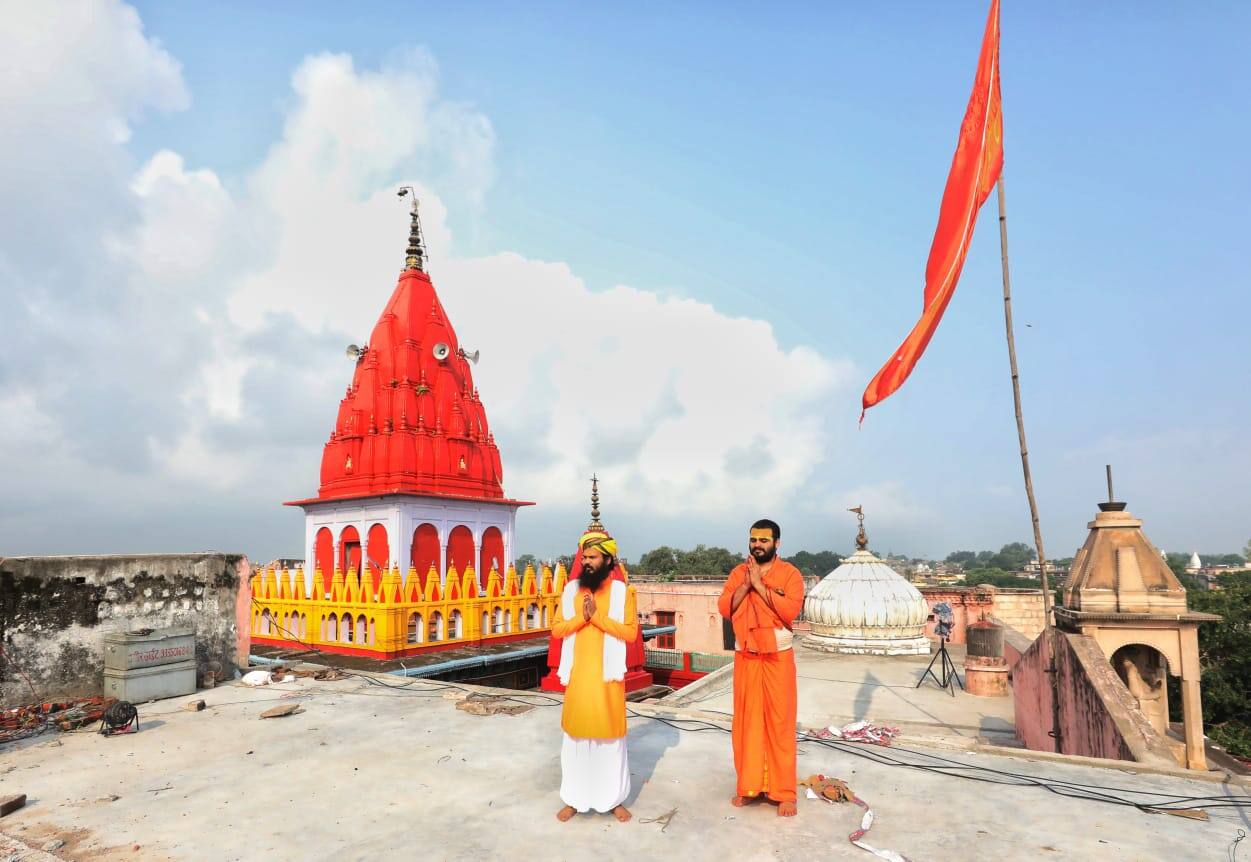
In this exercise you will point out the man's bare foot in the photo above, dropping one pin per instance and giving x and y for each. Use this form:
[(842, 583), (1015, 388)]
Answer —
[(565, 813), (787, 809), (740, 801), (622, 813)]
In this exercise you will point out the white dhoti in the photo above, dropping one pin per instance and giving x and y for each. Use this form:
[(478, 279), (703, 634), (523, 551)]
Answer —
[(595, 773)]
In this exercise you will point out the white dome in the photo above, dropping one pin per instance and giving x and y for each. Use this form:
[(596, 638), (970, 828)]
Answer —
[(864, 606)]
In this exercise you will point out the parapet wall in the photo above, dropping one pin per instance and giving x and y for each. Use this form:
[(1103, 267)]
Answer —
[(55, 611), (1020, 609), (1098, 715)]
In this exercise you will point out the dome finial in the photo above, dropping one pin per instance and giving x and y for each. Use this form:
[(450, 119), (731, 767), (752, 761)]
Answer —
[(862, 540), (415, 254), (595, 524)]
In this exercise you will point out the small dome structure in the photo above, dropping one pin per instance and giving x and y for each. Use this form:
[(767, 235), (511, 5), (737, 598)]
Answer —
[(866, 607)]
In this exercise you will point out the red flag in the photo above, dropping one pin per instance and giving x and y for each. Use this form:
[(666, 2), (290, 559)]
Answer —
[(974, 171)]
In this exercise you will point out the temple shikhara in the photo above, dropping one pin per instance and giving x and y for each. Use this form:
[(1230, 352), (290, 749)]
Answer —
[(410, 539)]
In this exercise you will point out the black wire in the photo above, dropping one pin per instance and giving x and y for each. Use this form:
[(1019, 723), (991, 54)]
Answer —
[(867, 751)]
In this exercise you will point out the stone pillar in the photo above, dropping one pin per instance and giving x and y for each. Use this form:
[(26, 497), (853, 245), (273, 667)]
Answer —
[(479, 569), (444, 532), (1192, 705)]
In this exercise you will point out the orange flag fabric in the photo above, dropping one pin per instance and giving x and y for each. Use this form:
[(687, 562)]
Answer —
[(975, 169)]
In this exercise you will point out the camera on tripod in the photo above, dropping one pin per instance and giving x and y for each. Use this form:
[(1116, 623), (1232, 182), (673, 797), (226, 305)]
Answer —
[(944, 620)]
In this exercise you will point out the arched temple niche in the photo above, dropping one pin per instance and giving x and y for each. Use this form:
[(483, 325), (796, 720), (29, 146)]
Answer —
[(349, 550), (323, 551), (379, 551), (460, 550), (425, 551), (492, 556), (1144, 670)]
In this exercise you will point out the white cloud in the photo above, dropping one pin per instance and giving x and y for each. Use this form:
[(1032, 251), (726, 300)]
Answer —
[(207, 370), (684, 406)]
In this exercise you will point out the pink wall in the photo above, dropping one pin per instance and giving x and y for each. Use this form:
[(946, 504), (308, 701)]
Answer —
[(1031, 695), (243, 612), (1098, 715), (695, 605), (968, 605)]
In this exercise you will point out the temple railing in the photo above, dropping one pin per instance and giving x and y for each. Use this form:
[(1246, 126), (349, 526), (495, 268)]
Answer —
[(398, 617)]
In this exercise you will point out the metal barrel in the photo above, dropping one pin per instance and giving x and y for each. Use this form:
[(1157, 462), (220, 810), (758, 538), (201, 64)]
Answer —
[(984, 639)]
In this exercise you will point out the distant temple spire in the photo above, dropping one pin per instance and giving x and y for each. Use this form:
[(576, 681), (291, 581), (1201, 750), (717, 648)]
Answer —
[(415, 254), (595, 524)]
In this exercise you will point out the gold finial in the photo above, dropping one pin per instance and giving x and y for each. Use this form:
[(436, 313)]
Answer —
[(415, 254), (595, 524), (862, 541)]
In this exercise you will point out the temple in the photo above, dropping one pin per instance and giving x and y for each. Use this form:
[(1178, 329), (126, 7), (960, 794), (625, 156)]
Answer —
[(866, 607), (410, 539), (1122, 595)]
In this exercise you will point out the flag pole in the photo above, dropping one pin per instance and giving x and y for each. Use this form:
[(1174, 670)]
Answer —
[(1048, 629)]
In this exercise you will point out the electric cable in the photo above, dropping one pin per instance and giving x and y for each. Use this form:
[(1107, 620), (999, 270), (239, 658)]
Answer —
[(937, 764)]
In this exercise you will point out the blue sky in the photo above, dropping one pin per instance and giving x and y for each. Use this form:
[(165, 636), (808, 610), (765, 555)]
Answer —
[(785, 164)]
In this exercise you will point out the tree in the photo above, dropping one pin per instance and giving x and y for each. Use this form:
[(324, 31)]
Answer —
[(1246, 552), (528, 560), (821, 563), (1013, 556), (961, 558), (1225, 662), (998, 578), (658, 561), (709, 562), (1177, 562)]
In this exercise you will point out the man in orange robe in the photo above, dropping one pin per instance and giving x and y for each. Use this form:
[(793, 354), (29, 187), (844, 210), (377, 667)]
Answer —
[(761, 597), (597, 617)]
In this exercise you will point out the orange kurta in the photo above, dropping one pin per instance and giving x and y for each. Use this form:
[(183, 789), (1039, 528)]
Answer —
[(765, 702), (595, 709)]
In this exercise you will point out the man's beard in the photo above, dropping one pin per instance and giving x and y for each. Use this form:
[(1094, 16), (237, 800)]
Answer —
[(593, 579), (763, 556)]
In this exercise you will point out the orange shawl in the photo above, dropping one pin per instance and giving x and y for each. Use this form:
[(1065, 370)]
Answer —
[(755, 621)]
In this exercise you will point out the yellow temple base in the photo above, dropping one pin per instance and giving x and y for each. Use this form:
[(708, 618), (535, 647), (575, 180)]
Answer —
[(401, 617)]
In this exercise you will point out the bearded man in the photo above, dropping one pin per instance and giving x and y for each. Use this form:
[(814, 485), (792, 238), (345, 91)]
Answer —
[(597, 617), (761, 598)]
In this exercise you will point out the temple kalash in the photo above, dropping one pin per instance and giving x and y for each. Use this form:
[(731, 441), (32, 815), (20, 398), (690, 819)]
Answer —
[(410, 539)]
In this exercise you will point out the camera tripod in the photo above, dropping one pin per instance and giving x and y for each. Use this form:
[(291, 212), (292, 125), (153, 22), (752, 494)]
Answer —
[(946, 669)]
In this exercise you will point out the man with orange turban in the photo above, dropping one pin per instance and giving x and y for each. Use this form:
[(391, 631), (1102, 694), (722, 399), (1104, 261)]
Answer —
[(596, 619), (761, 598)]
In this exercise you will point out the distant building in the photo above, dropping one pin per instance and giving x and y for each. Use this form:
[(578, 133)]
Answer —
[(1033, 571)]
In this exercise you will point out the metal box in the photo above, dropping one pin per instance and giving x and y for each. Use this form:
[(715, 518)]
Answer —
[(150, 664), (149, 648), (150, 683)]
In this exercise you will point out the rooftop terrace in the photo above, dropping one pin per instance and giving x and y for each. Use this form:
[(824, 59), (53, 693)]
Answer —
[(370, 772)]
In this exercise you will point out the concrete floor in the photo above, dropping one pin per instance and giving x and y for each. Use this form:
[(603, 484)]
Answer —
[(368, 773), (837, 689)]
